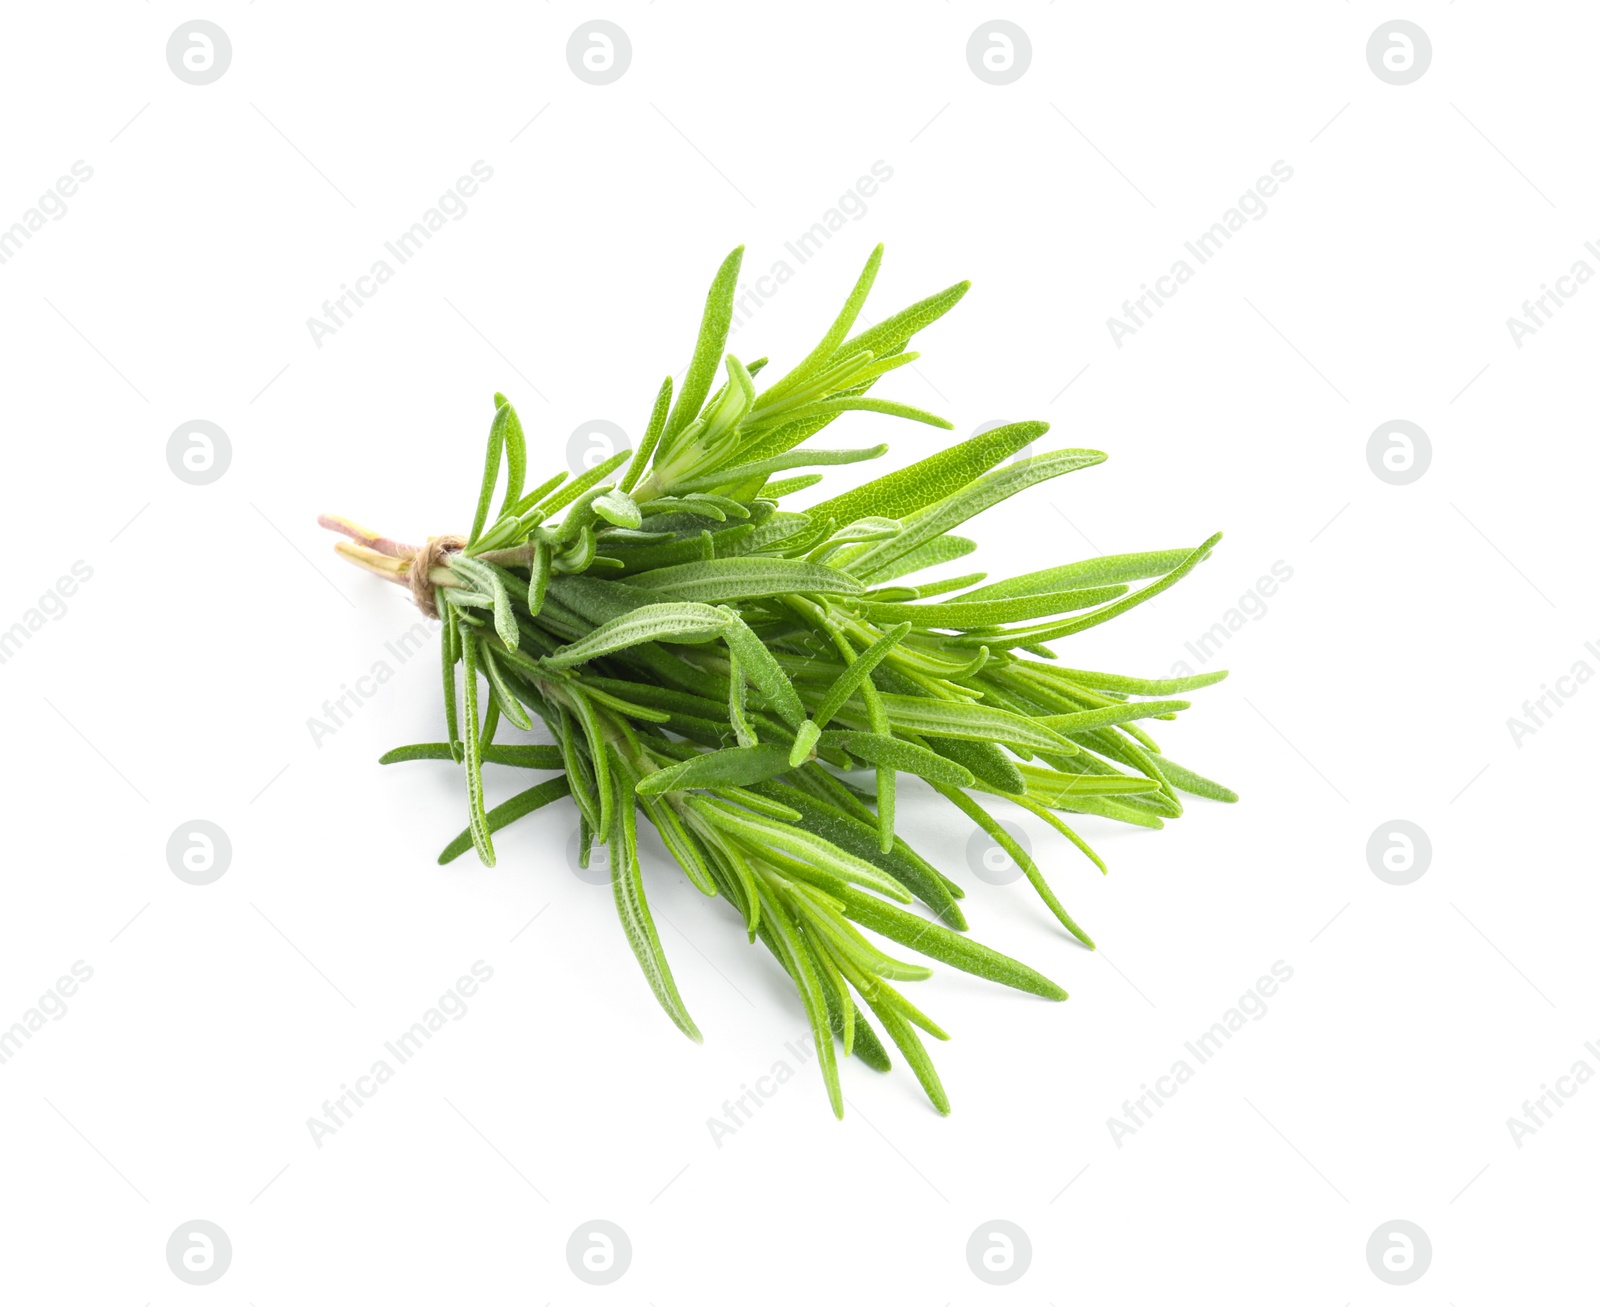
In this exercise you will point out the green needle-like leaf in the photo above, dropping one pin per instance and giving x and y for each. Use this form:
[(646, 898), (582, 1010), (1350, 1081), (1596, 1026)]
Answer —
[(679, 623), (502, 815), (724, 579), (477, 820), (756, 662), (943, 945), (887, 751), (738, 766), (652, 434), (899, 494), (851, 679), (829, 344), (516, 451), (627, 889), (539, 757), (507, 701), (714, 324)]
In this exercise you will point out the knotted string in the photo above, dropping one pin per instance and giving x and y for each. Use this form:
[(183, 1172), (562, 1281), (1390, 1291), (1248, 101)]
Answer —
[(432, 555)]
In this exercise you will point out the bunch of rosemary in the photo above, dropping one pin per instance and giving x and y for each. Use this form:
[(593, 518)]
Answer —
[(720, 665)]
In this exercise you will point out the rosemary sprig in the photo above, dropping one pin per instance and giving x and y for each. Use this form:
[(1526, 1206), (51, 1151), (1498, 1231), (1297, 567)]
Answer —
[(719, 664)]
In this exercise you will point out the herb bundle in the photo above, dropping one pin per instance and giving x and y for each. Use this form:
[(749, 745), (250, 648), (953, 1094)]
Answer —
[(727, 669)]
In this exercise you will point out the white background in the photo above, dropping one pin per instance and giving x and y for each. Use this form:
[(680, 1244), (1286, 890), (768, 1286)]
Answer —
[(1376, 685)]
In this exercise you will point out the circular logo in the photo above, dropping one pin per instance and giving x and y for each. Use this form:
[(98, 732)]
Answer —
[(199, 1252), (1399, 52), (992, 863), (199, 52), (1025, 452), (598, 52), (199, 452), (199, 852), (598, 872), (592, 442), (1399, 1252), (599, 1252), (1399, 852), (999, 1252), (1399, 452), (999, 52)]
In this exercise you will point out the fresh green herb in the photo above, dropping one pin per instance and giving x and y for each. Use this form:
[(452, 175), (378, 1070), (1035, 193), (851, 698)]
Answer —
[(718, 663)]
